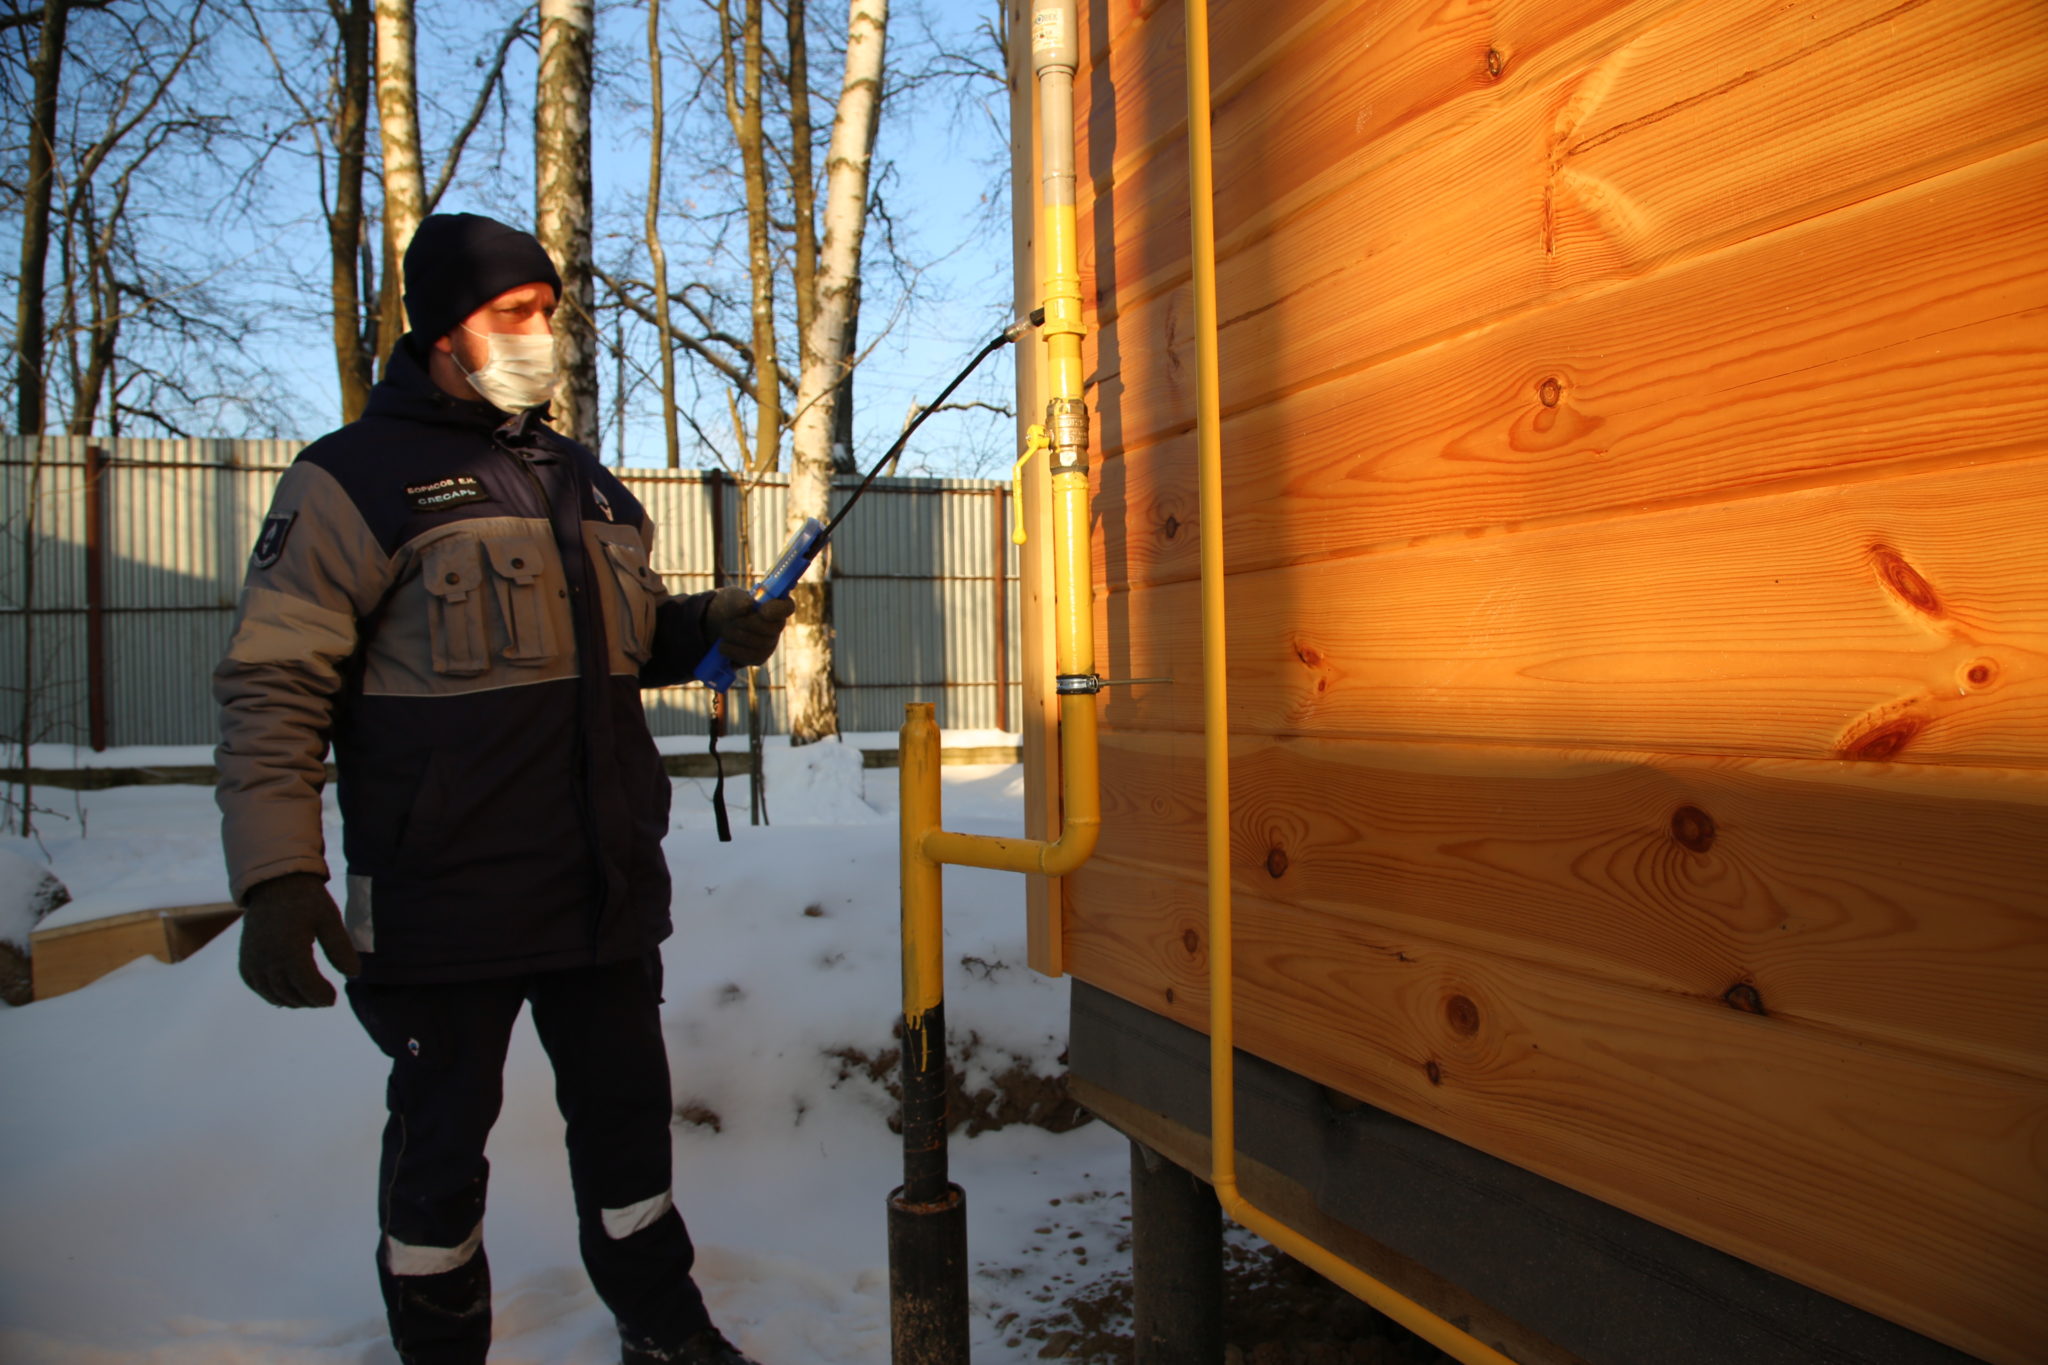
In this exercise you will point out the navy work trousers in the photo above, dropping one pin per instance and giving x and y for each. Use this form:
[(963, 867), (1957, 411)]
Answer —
[(601, 1028)]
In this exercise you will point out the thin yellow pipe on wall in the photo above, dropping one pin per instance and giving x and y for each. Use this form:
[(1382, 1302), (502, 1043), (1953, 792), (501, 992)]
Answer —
[(1216, 747)]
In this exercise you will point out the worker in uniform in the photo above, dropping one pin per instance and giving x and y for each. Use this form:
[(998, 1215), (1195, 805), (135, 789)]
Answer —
[(461, 602)]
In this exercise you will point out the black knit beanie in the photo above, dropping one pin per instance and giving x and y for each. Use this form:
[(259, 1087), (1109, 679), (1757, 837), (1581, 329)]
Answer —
[(458, 262)]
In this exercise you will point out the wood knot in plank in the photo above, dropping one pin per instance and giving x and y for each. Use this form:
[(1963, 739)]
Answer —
[(1191, 941), (1462, 1015), (1316, 661), (1434, 1072), (1743, 996), (1884, 742), (1276, 863), (1693, 828), (1495, 63), (1980, 673), (1905, 582), (1171, 526), (1549, 391)]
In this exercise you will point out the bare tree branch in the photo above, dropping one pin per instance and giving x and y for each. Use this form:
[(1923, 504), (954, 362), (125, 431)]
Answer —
[(515, 31), (35, 16), (624, 291)]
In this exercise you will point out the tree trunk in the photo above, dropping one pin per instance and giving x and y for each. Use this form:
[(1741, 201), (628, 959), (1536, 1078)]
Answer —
[(405, 179), (807, 641), (743, 111), (103, 326), (105, 334), (803, 188), (655, 252), (35, 225), (345, 220), (25, 736), (561, 147), (842, 401)]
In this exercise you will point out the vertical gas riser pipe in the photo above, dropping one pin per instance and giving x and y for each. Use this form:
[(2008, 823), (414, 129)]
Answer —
[(927, 1213), (1055, 54)]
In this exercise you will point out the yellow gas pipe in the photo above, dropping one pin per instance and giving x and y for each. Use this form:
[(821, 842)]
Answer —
[(927, 847), (1216, 747), (927, 1252), (1054, 49)]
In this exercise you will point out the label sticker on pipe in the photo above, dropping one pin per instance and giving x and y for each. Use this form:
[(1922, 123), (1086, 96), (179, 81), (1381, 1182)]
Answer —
[(1047, 30)]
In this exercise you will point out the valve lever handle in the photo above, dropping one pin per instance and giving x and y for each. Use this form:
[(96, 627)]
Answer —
[(1034, 441)]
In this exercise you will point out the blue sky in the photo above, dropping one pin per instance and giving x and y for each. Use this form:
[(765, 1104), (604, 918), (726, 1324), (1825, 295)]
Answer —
[(949, 211), (220, 232)]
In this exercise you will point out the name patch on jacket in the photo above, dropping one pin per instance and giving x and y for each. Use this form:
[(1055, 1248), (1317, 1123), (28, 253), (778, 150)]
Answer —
[(449, 492), (270, 545)]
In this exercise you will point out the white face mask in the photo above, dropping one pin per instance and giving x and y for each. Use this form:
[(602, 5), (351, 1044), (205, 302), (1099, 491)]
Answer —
[(519, 372)]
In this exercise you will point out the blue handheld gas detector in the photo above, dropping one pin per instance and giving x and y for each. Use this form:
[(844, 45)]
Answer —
[(718, 672)]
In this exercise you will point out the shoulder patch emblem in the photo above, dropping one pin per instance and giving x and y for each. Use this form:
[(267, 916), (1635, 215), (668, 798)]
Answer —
[(442, 493), (270, 544)]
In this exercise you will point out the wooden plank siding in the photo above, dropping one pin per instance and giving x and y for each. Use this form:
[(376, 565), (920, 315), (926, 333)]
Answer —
[(1695, 385), (1881, 901), (1636, 467), (1903, 619), (1904, 1183)]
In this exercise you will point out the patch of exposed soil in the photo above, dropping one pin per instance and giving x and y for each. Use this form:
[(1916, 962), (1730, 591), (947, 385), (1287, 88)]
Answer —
[(1017, 1093), (27, 893), (1276, 1311), (17, 980)]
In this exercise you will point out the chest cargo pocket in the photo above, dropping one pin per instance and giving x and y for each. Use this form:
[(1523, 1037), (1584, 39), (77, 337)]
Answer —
[(639, 593), (516, 565), (453, 572)]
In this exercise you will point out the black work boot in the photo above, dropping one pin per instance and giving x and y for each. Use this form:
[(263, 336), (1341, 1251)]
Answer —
[(708, 1347)]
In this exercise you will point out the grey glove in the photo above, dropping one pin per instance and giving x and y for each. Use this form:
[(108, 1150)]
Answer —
[(747, 629), (285, 916)]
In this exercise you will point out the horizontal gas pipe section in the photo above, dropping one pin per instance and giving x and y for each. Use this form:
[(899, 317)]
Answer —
[(928, 1214), (1216, 745)]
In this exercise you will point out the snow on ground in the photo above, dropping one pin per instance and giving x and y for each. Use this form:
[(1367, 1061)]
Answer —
[(187, 1174), (70, 756)]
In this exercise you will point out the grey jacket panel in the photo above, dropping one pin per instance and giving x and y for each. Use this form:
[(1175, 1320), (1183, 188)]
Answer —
[(318, 570), (637, 590), (475, 605)]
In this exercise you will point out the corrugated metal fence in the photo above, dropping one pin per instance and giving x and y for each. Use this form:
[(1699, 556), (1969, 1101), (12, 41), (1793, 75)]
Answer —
[(136, 551)]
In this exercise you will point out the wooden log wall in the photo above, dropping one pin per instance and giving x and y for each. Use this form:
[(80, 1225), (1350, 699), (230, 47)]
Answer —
[(1637, 478)]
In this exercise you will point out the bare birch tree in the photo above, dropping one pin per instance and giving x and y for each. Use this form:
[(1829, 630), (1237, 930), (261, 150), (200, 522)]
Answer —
[(354, 341), (807, 642), (561, 147), (406, 197), (405, 178)]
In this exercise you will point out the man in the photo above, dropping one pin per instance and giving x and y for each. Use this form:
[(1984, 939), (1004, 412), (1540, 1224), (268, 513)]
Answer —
[(460, 600)]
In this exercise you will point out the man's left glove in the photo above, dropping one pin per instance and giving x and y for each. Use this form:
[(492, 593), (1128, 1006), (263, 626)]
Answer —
[(285, 916), (745, 628)]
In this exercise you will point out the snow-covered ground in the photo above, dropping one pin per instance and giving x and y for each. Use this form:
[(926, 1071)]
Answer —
[(187, 1174)]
